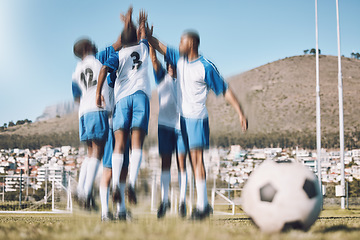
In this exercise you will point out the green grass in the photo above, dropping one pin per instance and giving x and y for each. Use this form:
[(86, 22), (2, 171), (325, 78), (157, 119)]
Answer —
[(332, 224)]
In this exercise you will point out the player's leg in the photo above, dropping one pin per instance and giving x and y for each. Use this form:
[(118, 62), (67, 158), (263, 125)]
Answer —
[(167, 141), (137, 140), (200, 177), (104, 193), (181, 151), (121, 126), (198, 137), (97, 124), (93, 166), (139, 128), (106, 177), (82, 172), (117, 162), (121, 212)]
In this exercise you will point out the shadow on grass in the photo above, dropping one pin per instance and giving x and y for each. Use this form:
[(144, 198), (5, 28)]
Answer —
[(337, 228)]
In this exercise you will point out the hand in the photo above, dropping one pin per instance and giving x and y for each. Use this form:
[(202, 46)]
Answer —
[(127, 18), (100, 100), (149, 31), (243, 122), (142, 17)]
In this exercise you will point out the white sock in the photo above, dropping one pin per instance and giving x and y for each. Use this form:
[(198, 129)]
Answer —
[(82, 177), (104, 198), (121, 206), (136, 155), (165, 182), (201, 191), (117, 162), (183, 186), (92, 167)]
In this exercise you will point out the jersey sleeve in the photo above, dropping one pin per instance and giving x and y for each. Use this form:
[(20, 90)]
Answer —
[(172, 56), (76, 90), (159, 75), (105, 54), (213, 78), (113, 62), (111, 78), (145, 42)]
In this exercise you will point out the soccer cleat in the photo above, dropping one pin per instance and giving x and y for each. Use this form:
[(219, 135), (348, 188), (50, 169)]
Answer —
[(116, 195), (198, 215), (107, 217), (124, 216), (162, 209), (182, 210), (131, 195)]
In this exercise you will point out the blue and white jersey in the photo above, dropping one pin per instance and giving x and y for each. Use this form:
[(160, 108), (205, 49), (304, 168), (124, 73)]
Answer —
[(85, 80), (194, 81), (131, 67), (169, 115)]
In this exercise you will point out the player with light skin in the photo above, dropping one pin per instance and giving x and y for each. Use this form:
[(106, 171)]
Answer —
[(92, 120), (169, 134), (131, 114), (196, 75)]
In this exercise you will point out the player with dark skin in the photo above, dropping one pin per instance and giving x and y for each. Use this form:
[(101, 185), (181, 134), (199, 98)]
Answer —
[(121, 135), (189, 47), (107, 172), (166, 157)]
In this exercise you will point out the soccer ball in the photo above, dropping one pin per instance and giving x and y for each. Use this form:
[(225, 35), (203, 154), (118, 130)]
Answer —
[(279, 196)]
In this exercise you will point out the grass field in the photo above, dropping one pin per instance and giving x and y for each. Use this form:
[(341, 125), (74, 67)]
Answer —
[(332, 224)]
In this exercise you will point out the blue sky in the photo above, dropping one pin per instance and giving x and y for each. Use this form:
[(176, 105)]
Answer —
[(37, 37)]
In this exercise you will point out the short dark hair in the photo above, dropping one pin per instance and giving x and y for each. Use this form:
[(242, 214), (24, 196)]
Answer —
[(82, 45), (194, 35), (129, 36)]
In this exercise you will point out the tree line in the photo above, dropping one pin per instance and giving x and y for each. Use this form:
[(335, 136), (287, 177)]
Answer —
[(12, 124), (37, 141), (286, 139), (313, 51)]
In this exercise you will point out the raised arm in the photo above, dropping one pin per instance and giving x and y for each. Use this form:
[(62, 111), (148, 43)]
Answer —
[(155, 62), (127, 18), (142, 21), (230, 98), (154, 42)]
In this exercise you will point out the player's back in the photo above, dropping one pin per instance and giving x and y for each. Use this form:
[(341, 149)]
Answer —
[(85, 77), (168, 109), (132, 72)]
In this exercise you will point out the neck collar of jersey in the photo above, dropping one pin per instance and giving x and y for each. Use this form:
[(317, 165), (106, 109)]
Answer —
[(193, 61)]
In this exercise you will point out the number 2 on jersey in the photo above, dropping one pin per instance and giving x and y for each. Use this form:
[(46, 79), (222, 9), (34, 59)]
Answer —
[(87, 78), (136, 61)]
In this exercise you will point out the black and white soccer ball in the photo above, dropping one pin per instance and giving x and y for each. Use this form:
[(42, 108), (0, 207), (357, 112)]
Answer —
[(279, 196)]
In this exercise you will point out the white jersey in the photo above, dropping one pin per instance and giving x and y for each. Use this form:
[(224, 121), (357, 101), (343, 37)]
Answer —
[(85, 80), (168, 110), (194, 81), (131, 66)]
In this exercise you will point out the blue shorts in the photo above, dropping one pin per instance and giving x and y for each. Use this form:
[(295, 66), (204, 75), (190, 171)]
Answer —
[(170, 139), (94, 126), (195, 132), (132, 112), (108, 151)]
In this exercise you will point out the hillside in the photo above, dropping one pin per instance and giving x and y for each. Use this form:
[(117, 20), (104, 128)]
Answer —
[(278, 98)]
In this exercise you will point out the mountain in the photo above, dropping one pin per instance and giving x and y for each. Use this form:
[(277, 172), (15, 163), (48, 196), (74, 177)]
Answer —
[(278, 99), (58, 110)]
